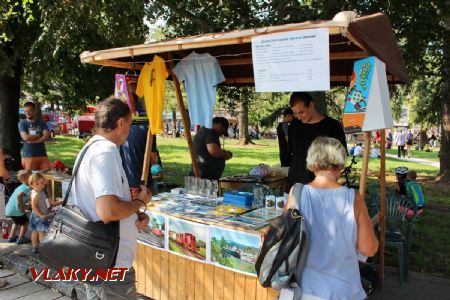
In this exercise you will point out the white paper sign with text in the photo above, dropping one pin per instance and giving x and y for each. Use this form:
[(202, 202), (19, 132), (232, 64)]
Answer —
[(292, 61)]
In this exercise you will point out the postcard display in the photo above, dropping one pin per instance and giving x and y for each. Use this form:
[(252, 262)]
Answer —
[(367, 106), (231, 248)]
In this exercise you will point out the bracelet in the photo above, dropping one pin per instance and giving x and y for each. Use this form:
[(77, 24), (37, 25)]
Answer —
[(145, 204)]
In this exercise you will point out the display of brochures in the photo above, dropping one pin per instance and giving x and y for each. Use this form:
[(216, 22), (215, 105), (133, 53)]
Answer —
[(262, 214), (207, 202), (232, 209), (180, 209), (211, 210), (208, 215), (246, 223), (162, 197)]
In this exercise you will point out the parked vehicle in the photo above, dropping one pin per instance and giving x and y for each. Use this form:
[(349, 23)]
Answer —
[(86, 122)]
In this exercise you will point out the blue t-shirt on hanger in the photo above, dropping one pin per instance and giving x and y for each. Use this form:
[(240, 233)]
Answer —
[(201, 74)]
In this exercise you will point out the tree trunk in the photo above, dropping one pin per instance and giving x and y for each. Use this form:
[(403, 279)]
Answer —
[(9, 101), (423, 139), (174, 122), (444, 153), (244, 138)]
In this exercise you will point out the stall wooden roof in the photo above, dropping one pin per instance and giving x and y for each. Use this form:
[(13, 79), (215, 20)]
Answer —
[(350, 39)]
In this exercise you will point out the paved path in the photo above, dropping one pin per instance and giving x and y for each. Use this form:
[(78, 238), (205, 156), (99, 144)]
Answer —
[(418, 286), (22, 288), (416, 160)]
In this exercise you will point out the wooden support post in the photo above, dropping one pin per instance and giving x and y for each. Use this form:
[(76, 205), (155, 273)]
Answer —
[(187, 129), (147, 156), (382, 205), (365, 163)]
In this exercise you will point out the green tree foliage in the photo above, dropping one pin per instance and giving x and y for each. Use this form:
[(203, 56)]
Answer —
[(184, 18), (71, 27), (16, 18), (41, 44)]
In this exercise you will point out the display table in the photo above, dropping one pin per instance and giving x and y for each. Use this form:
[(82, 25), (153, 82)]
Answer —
[(165, 274), (237, 181)]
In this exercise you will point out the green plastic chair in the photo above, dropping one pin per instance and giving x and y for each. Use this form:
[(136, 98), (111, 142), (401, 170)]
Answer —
[(372, 199), (397, 207)]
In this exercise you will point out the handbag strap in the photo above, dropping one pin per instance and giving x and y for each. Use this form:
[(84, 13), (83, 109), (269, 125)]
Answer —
[(75, 170), (297, 190)]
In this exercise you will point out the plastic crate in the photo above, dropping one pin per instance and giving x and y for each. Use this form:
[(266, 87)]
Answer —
[(238, 198)]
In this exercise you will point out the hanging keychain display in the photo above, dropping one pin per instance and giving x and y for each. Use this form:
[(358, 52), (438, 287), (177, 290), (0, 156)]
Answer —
[(125, 90)]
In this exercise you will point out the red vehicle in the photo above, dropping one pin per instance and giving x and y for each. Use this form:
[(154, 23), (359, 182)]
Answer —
[(188, 241), (86, 122)]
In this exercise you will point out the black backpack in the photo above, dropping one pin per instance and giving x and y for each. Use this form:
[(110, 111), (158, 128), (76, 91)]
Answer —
[(283, 253)]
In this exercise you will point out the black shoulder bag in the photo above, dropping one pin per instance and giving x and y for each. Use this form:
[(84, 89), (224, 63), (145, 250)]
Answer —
[(75, 242)]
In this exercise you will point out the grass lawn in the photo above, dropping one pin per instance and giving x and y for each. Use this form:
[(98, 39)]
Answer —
[(431, 245), (64, 148)]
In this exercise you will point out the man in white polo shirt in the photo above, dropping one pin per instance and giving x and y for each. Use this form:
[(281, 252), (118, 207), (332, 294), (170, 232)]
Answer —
[(101, 191)]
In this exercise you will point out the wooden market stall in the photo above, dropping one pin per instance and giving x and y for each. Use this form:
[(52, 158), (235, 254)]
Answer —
[(162, 275)]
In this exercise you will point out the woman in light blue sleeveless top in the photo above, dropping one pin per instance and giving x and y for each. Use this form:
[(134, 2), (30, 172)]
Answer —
[(338, 225)]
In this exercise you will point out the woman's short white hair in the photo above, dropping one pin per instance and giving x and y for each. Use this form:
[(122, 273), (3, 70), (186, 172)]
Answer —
[(326, 153)]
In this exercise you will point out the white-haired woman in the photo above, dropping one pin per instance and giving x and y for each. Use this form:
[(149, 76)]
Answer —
[(338, 224)]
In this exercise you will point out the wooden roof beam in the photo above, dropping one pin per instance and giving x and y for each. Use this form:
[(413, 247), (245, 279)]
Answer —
[(117, 64), (333, 78)]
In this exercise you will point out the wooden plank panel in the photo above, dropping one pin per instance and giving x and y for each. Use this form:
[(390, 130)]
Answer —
[(190, 279), (140, 258), (181, 280), (250, 288), (156, 274), (199, 281), (164, 275), (209, 282), (272, 294), (173, 269), (218, 283), (148, 272), (228, 285), (239, 286), (261, 292)]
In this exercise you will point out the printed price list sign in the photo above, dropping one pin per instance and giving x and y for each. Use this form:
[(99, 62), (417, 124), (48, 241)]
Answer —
[(292, 61)]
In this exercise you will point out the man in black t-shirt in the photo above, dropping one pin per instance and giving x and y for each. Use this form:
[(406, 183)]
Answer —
[(211, 158), (307, 125)]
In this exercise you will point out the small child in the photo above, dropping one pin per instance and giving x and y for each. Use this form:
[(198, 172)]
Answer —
[(16, 209), (400, 174), (38, 218), (375, 151), (157, 175), (156, 171), (142, 221), (414, 191)]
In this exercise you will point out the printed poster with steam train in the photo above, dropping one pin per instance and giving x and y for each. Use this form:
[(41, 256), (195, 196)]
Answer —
[(225, 247), (155, 233)]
